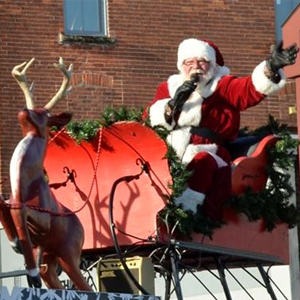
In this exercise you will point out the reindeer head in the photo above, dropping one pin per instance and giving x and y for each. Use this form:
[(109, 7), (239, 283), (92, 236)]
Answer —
[(36, 121)]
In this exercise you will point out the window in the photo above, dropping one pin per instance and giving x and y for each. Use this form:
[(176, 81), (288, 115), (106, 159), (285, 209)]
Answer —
[(283, 9), (85, 17)]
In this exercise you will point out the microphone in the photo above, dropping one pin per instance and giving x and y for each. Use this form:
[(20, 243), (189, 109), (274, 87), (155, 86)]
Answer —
[(196, 76), (187, 91)]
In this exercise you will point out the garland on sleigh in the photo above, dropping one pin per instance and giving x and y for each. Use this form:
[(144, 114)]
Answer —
[(87, 130), (272, 204)]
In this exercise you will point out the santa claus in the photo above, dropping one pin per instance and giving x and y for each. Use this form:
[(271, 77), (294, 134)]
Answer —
[(201, 107)]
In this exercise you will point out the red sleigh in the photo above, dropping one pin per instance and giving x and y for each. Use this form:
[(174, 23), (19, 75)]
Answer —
[(124, 169)]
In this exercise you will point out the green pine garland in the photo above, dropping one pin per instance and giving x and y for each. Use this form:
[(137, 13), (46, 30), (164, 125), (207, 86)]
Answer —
[(87, 130), (272, 204), (112, 115), (83, 131)]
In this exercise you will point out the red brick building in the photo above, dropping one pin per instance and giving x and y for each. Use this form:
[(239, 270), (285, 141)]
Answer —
[(137, 51)]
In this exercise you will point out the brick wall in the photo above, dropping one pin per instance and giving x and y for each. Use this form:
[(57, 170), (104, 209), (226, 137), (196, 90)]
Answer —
[(147, 34)]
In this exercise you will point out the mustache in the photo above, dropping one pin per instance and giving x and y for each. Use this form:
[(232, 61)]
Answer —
[(195, 76)]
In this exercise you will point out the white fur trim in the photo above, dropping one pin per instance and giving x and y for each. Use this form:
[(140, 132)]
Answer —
[(210, 88), (176, 80), (189, 200), (192, 150), (157, 114), (195, 48), (190, 114), (179, 139), (263, 84), (220, 162)]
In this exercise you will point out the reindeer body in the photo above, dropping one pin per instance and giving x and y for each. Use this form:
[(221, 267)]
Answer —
[(36, 223), (28, 155), (30, 187)]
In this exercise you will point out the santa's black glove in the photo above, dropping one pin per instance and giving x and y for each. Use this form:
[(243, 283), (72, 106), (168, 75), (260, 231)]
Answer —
[(183, 93), (280, 58)]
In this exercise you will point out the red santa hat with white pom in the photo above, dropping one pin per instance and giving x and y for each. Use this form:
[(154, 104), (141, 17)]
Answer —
[(204, 49)]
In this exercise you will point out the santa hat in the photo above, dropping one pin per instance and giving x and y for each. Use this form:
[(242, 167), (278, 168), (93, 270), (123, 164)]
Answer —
[(199, 48)]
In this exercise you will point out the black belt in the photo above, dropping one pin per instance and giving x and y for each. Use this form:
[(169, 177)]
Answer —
[(208, 134)]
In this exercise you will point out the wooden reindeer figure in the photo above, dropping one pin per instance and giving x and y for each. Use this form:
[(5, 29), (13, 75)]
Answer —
[(36, 223)]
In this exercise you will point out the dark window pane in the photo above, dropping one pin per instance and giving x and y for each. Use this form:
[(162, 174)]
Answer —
[(73, 15), (85, 17), (91, 15)]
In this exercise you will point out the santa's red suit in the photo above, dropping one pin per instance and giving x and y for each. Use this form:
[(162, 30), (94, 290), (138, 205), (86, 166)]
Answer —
[(215, 106)]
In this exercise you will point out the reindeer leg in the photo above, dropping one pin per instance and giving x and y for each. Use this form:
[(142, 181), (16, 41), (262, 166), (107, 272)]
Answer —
[(71, 267), (19, 217), (9, 226), (48, 271), (69, 255), (70, 264)]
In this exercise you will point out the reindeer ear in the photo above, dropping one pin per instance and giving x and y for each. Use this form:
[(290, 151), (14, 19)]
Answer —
[(60, 119)]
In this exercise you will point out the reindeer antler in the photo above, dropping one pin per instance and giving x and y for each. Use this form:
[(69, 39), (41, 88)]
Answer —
[(20, 77), (65, 89)]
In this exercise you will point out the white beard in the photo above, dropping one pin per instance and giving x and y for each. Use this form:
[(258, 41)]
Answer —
[(206, 85), (203, 79)]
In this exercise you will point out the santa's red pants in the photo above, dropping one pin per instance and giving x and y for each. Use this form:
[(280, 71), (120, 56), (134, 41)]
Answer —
[(212, 181)]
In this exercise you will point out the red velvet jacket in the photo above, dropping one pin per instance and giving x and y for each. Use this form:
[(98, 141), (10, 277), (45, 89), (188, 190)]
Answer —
[(216, 106)]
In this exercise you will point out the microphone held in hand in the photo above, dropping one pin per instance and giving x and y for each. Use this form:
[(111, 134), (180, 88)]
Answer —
[(184, 91), (195, 77)]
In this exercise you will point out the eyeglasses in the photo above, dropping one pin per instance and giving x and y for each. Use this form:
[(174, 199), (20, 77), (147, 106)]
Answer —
[(198, 62)]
